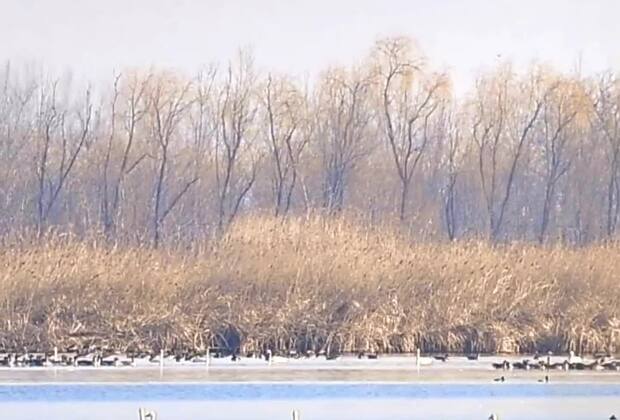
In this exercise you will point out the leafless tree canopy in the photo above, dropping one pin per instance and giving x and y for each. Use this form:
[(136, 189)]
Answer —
[(157, 157)]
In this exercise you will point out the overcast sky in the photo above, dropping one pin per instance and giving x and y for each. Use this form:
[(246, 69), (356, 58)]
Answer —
[(93, 37)]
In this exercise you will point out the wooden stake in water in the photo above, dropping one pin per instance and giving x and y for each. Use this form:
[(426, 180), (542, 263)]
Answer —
[(295, 415)]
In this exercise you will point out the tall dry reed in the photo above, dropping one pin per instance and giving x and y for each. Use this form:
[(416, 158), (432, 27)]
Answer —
[(315, 284)]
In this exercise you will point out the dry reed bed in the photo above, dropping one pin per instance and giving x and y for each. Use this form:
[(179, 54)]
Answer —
[(311, 284)]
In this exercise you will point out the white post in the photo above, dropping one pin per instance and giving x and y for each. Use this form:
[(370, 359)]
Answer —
[(161, 361), (144, 414), (55, 354), (417, 359), (295, 415), (208, 357)]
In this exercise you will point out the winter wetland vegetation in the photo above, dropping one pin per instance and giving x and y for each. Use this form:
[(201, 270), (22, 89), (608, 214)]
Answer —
[(241, 241)]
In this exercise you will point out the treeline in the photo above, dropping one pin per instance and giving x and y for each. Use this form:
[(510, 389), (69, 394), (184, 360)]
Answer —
[(159, 157)]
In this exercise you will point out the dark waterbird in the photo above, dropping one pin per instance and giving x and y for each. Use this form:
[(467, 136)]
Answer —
[(500, 379), (503, 365), (441, 357)]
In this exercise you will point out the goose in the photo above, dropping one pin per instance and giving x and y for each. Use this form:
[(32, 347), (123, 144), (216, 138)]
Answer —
[(90, 359), (109, 361), (22, 360), (574, 359), (441, 357), (545, 379), (505, 365), (37, 360), (473, 356), (500, 379), (370, 355), (611, 365), (524, 365), (493, 417), (595, 365), (117, 360), (613, 417), (565, 365), (8, 360), (541, 365)]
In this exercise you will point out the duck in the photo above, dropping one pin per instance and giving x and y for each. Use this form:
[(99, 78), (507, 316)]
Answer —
[(500, 379), (493, 417), (544, 380), (613, 417)]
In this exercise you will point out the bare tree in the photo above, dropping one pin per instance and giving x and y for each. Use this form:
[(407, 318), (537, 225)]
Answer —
[(168, 100), (453, 162), (57, 127), (607, 111), (410, 98), (287, 139), (131, 92), (15, 130), (343, 119), (236, 112), (559, 111), (506, 111)]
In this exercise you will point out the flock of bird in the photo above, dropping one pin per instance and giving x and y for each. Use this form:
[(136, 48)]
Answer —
[(97, 357), (601, 362)]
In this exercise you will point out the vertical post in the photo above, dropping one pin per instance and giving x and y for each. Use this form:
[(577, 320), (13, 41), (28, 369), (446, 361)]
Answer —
[(55, 354), (295, 415), (417, 359), (144, 414), (161, 362), (208, 357)]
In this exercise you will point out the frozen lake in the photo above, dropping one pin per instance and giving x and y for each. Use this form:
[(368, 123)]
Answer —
[(387, 389)]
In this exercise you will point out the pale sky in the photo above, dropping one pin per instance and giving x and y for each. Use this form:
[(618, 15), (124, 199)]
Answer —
[(93, 37)]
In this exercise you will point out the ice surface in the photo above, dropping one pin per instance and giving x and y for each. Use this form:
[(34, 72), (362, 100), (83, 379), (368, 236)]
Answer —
[(391, 388)]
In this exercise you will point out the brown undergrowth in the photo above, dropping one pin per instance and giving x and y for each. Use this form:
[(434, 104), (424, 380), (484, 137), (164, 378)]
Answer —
[(315, 284)]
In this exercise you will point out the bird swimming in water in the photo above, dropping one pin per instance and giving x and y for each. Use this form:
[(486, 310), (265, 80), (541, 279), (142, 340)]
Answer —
[(500, 379), (545, 379)]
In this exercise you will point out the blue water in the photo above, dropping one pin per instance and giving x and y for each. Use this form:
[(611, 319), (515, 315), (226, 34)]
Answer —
[(293, 391)]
